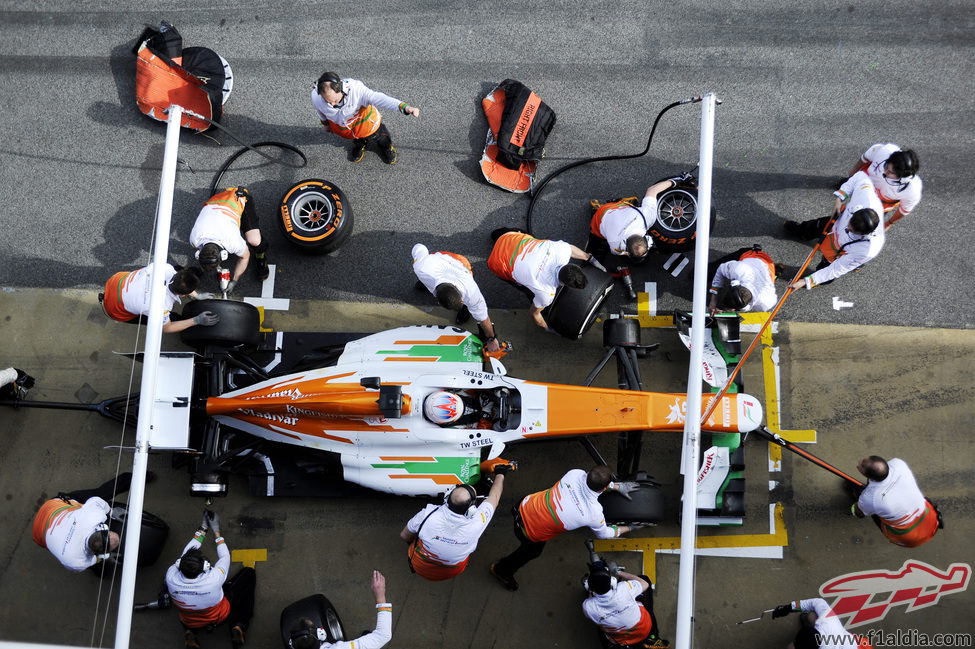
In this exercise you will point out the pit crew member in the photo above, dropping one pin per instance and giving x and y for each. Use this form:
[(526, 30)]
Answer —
[(201, 592), (743, 281), (450, 278), (305, 635), (624, 226), (817, 625), (349, 109), (126, 297), (894, 173), (573, 502), (621, 605), (228, 225), (539, 265), (442, 537), (895, 503), (854, 238), (74, 526)]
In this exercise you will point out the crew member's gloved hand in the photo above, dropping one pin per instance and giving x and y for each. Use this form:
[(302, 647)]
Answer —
[(592, 260), (205, 525), (682, 178), (214, 521), (626, 488), (504, 469), (781, 610), (207, 319), (231, 285)]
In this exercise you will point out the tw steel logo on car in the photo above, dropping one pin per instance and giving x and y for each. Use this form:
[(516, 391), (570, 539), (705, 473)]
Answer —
[(867, 596)]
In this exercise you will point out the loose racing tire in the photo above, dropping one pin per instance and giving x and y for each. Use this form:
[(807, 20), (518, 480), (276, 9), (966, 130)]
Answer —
[(675, 227), (152, 541), (573, 311), (315, 216), (646, 506), (319, 610), (240, 324)]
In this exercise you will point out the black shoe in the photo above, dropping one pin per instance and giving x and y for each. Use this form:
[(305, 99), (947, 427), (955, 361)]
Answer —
[(508, 582), (388, 155), (101, 298), (261, 268), (237, 636), (794, 229), (463, 315), (357, 151), (420, 286)]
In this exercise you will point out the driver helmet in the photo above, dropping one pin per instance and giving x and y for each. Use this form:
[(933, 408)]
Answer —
[(443, 407)]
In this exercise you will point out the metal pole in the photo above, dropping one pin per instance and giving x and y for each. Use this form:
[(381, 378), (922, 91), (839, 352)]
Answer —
[(140, 461), (692, 423)]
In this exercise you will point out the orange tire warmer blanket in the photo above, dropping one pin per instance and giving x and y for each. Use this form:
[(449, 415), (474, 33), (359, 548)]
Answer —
[(166, 74), (518, 125)]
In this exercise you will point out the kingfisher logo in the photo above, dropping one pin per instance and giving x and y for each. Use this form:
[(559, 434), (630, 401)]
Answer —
[(866, 597), (676, 414)]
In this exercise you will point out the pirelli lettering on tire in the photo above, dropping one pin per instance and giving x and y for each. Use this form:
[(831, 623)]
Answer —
[(315, 216)]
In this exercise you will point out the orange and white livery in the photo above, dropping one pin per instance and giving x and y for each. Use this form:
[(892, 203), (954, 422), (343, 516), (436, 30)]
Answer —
[(619, 615), (219, 223), (200, 601), (63, 527), (568, 505), (898, 200), (357, 115), (435, 268), (366, 408)]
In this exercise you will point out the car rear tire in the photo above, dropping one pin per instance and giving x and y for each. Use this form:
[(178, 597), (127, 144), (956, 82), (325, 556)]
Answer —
[(646, 506), (319, 610), (315, 216), (240, 324), (573, 311)]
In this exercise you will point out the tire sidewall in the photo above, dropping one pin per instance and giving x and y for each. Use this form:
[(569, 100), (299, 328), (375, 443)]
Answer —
[(331, 234)]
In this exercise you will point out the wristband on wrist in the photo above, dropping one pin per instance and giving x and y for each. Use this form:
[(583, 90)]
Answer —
[(809, 283), (403, 107), (713, 290)]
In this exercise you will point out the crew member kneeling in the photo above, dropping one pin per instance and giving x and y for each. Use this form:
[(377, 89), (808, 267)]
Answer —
[(228, 225)]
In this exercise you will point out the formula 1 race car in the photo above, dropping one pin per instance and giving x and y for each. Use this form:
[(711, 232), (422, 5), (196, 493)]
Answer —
[(409, 411)]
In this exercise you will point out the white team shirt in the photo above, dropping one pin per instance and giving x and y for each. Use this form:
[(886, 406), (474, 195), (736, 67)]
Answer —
[(538, 269), (135, 291), (832, 635), (621, 223), (857, 249), (574, 505), (374, 639), (616, 610), (876, 157), (896, 499), (67, 538), (206, 590), (447, 537), (357, 95), (220, 225), (435, 268), (753, 274)]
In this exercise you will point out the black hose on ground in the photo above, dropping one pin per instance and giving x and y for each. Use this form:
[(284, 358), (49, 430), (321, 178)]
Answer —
[(537, 192)]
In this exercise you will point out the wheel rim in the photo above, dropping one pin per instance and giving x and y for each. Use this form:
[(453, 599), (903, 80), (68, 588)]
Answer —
[(312, 213), (678, 210), (334, 626)]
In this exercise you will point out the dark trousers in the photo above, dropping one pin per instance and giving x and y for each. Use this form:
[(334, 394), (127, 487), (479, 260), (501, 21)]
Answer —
[(104, 491), (525, 552), (239, 591), (381, 138)]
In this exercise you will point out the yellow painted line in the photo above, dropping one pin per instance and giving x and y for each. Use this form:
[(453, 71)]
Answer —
[(248, 557), (650, 545), (260, 310)]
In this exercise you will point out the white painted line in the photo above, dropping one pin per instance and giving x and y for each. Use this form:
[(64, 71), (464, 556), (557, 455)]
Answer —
[(755, 328), (267, 287), (775, 466), (672, 260), (840, 304), (651, 290), (271, 304), (680, 267)]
